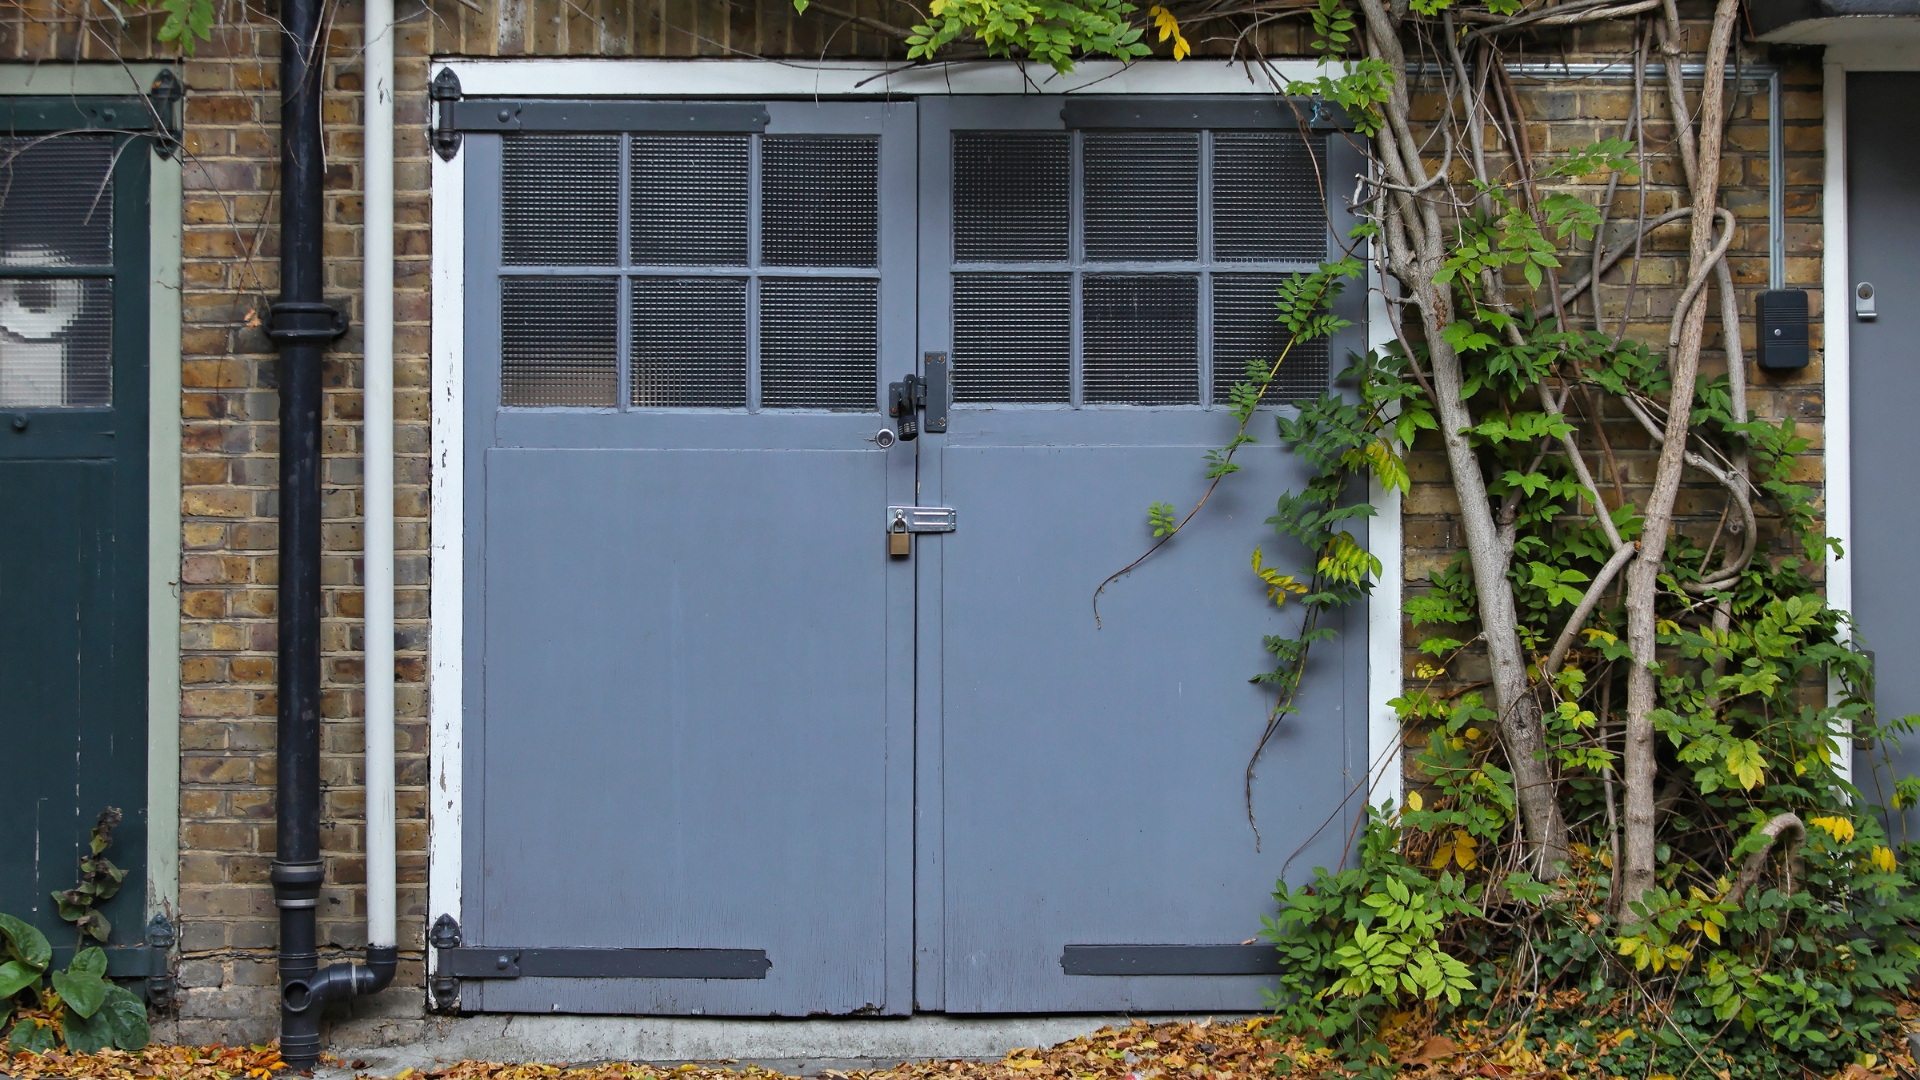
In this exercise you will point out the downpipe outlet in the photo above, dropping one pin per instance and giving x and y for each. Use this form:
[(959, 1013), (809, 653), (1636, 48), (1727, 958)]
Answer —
[(305, 986), (337, 982)]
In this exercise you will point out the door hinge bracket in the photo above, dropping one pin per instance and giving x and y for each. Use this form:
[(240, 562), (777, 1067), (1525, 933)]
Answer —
[(480, 962), (445, 92)]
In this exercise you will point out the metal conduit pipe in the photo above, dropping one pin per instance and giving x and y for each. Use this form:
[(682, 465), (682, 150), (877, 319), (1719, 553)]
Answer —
[(301, 327), (1552, 71)]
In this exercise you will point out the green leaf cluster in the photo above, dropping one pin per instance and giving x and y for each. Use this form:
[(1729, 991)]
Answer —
[(1055, 32), (78, 1008)]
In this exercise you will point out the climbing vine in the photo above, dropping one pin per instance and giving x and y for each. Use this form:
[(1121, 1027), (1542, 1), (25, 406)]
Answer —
[(1631, 844)]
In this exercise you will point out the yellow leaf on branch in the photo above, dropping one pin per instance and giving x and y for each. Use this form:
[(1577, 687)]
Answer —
[(1169, 27)]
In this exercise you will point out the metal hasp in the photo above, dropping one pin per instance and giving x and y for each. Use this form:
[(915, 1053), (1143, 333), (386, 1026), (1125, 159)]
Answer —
[(1170, 960), (919, 402), (939, 382), (921, 519), (1783, 329), (479, 962), (165, 96), (301, 326)]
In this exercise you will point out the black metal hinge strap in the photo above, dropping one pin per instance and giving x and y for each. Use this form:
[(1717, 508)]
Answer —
[(478, 962), (511, 114), (1170, 960), (1244, 113)]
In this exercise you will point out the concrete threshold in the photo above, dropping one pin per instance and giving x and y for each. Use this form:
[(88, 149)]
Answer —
[(800, 1047)]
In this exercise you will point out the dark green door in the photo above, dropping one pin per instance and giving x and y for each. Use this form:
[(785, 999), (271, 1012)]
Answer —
[(73, 501)]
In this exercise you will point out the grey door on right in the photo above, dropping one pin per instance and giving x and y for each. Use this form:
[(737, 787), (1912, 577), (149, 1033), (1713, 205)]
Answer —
[(1083, 843), (1883, 198)]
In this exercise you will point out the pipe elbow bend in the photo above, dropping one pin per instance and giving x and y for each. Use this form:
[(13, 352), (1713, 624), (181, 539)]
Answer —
[(337, 982)]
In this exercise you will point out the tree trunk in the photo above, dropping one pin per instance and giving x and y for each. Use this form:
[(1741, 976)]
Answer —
[(1521, 732), (1641, 772), (1415, 239)]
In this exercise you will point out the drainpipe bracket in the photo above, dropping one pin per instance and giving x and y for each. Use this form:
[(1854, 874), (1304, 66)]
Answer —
[(296, 885), (297, 322)]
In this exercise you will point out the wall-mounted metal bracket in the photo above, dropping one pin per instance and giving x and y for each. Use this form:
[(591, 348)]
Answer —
[(165, 95), (160, 940), (445, 94), (922, 519), (477, 962), (444, 988), (294, 322)]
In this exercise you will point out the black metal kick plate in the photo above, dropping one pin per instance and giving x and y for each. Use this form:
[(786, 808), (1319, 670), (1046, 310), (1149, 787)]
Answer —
[(475, 962), (1170, 960)]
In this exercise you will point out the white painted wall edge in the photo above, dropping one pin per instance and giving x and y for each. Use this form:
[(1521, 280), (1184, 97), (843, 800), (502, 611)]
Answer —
[(862, 78), (447, 468)]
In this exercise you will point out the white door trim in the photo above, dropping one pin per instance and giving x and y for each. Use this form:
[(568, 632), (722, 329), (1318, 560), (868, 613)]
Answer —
[(1836, 319), (447, 590), (762, 78)]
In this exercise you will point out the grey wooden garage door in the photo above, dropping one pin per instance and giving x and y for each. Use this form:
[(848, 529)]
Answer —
[(717, 733)]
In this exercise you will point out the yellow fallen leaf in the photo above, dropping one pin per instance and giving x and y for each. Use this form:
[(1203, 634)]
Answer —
[(1024, 1063)]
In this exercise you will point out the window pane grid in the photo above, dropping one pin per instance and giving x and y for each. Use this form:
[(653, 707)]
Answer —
[(1176, 243), (649, 271)]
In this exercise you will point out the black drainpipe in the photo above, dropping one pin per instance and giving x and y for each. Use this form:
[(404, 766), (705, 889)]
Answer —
[(302, 326)]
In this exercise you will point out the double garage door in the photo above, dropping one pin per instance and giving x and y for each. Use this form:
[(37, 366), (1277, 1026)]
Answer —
[(730, 751)]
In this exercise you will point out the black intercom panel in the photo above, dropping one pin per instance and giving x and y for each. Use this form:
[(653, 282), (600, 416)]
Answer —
[(1783, 329)]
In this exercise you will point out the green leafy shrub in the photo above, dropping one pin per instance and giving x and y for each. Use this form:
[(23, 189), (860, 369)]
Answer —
[(78, 1008)]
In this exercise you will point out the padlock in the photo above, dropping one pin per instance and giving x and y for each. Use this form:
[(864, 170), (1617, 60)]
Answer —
[(899, 540)]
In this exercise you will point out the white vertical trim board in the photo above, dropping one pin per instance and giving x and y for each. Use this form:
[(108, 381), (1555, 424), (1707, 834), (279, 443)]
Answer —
[(163, 537), (1385, 677), (752, 78), (446, 600), (1836, 359)]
